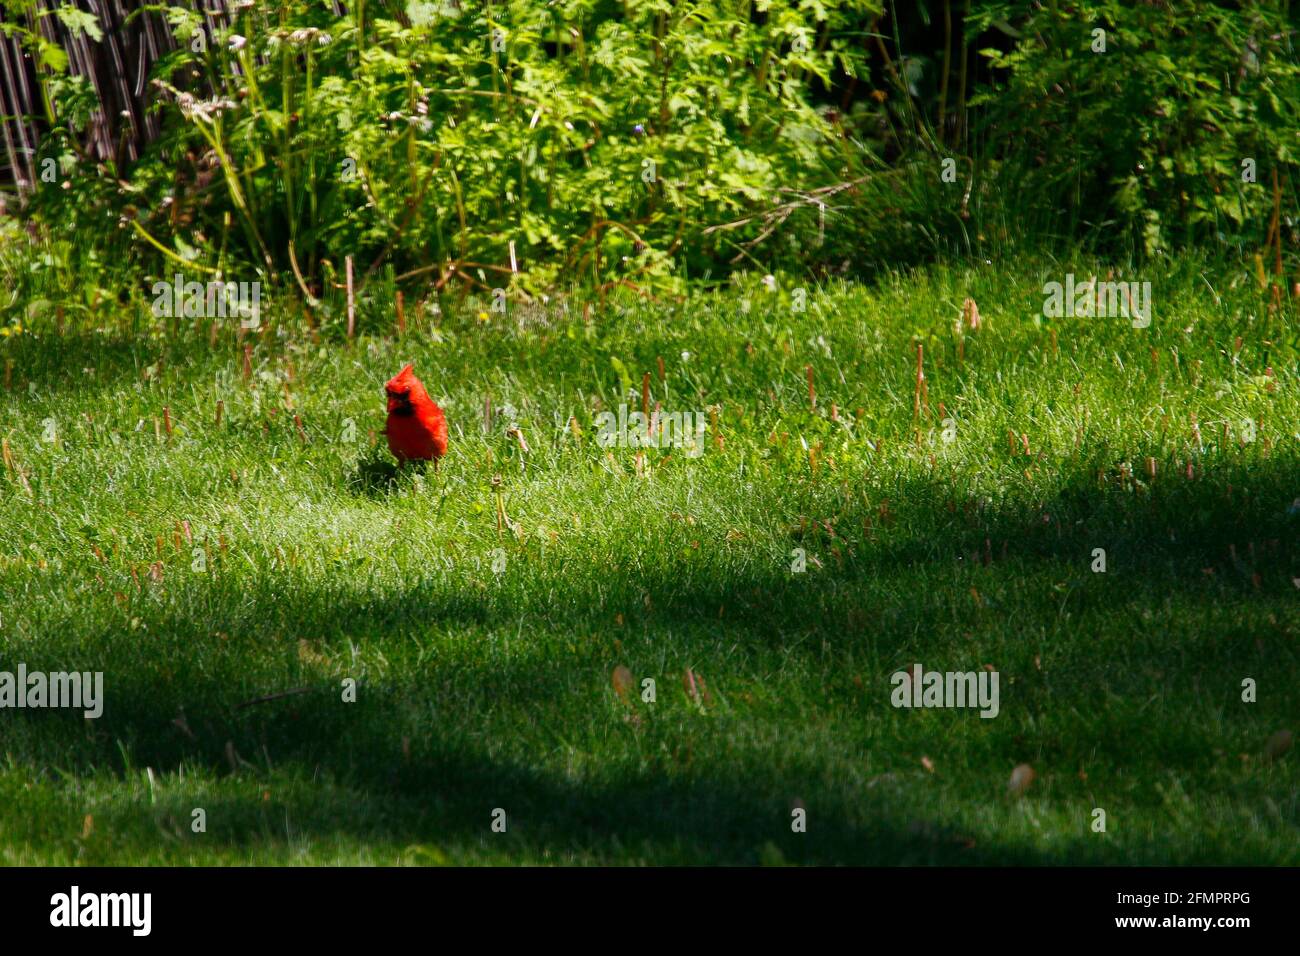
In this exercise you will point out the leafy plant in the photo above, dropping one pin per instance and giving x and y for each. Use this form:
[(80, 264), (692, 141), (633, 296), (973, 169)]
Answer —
[(505, 145), (1150, 117)]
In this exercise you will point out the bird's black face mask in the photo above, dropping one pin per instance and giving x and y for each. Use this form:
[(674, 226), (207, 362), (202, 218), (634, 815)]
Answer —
[(399, 403)]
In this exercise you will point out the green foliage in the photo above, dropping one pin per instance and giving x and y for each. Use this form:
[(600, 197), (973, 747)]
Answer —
[(528, 145), (598, 138), (1151, 134)]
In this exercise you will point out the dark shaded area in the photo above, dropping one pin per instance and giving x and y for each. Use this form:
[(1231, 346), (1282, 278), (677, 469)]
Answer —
[(376, 474), (1190, 538)]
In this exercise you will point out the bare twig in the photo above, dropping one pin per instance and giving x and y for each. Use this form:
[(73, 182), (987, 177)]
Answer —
[(278, 695)]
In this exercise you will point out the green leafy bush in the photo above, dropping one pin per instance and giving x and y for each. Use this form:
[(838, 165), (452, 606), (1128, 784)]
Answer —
[(598, 139), (1149, 117)]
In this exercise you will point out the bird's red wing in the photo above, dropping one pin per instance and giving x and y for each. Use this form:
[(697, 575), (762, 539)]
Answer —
[(435, 423)]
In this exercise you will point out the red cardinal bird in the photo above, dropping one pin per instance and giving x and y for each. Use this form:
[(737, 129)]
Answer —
[(417, 429)]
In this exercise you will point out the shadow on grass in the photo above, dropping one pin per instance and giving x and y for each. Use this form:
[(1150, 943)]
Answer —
[(447, 801), (1227, 537), (373, 475), (377, 475)]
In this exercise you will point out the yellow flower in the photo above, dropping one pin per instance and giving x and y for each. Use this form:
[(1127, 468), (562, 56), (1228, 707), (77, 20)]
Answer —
[(482, 316)]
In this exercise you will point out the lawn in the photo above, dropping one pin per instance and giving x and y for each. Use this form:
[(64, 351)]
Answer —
[(232, 578)]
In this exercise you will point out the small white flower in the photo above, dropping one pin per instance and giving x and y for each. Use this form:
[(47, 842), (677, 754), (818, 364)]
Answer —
[(769, 283), (237, 42)]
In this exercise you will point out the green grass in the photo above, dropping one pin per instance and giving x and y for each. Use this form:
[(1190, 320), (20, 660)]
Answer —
[(478, 690)]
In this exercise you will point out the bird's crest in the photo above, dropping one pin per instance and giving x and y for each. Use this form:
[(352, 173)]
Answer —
[(403, 379)]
